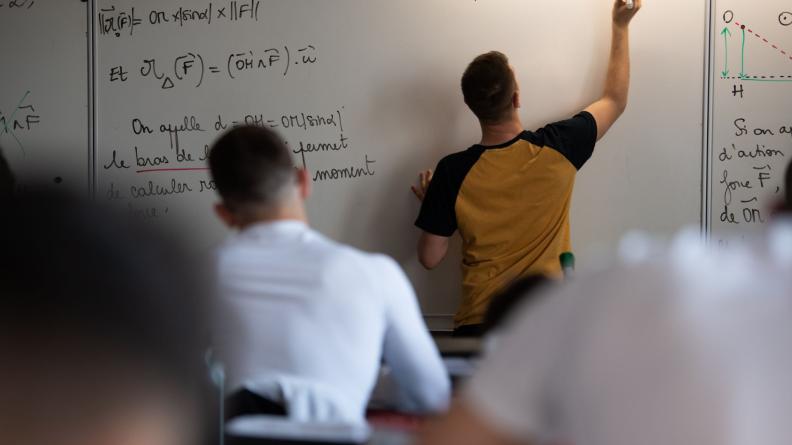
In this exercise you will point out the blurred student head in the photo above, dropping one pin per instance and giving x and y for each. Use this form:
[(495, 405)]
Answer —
[(101, 330), (256, 178), (691, 347), (518, 294), (7, 181)]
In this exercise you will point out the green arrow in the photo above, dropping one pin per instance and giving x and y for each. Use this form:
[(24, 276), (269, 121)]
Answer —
[(742, 56), (726, 34)]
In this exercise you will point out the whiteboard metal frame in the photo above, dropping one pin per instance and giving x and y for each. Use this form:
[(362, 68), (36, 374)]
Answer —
[(708, 110)]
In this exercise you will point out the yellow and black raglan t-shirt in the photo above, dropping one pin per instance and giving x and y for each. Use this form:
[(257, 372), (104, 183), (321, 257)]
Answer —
[(510, 203)]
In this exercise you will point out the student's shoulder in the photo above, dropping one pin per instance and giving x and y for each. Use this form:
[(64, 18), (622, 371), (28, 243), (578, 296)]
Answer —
[(378, 274), (227, 250), (365, 260), (374, 266)]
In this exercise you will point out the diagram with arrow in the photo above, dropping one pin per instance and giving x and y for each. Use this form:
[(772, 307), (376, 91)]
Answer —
[(748, 111), (744, 37)]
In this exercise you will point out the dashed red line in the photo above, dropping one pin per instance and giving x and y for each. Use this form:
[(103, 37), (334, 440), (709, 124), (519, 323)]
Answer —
[(763, 39)]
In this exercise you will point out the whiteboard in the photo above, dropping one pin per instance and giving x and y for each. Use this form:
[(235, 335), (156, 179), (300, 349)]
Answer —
[(751, 119), (379, 83), (44, 91)]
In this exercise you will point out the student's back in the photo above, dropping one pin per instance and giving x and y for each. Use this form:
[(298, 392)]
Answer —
[(301, 306), (307, 321)]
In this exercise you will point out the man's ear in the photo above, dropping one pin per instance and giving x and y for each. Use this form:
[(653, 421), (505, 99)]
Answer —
[(304, 183), (516, 100), (226, 215)]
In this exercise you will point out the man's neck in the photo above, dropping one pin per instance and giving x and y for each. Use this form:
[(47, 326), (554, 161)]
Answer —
[(496, 134), (295, 213)]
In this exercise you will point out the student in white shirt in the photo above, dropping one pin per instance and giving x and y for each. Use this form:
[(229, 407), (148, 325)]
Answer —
[(307, 322), (692, 351)]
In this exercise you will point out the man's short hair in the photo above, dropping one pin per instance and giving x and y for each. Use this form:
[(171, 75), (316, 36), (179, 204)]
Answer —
[(251, 167), (489, 86)]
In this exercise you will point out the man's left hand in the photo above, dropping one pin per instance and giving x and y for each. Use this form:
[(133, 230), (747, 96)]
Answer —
[(425, 178)]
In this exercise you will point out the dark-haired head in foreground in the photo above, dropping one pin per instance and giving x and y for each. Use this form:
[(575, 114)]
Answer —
[(101, 330), (256, 178), (788, 192), (6, 178)]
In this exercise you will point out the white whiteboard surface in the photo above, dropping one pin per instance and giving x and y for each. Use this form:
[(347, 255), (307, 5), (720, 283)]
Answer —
[(44, 90), (389, 72), (646, 174), (751, 115)]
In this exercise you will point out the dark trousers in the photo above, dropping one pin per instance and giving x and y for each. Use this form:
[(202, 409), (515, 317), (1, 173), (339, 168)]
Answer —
[(469, 331), (246, 403)]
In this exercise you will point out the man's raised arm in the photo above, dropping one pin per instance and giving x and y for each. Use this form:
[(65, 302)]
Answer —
[(610, 107)]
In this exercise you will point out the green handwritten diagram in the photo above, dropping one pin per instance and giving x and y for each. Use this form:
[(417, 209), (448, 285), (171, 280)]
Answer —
[(747, 34)]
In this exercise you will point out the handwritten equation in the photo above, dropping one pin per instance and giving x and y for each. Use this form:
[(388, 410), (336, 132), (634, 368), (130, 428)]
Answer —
[(21, 119), (168, 158), (117, 22), (192, 68)]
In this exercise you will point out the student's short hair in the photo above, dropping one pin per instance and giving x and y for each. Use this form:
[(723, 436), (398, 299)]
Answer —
[(489, 86), (251, 167), (7, 181)]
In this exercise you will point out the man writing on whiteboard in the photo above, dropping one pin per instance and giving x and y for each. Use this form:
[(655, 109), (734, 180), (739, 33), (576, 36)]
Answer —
[(509, 196)]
